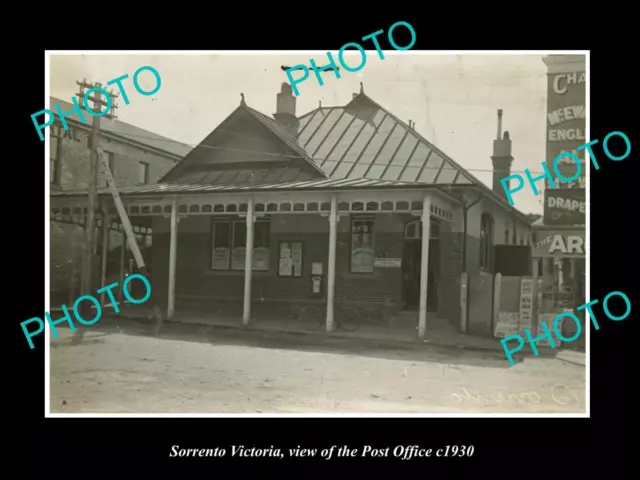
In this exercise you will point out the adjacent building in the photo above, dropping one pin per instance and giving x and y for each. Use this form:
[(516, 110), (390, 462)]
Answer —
[(559, 246), (341, 206), (136, 157)]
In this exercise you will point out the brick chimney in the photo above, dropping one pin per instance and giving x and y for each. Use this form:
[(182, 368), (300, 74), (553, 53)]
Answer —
[(501, 158), (286, 110)]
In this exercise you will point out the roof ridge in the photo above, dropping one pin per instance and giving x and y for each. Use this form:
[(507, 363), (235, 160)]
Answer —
[(129, 131), (432, 146), (446, 157), (125, 123), (285, 136)]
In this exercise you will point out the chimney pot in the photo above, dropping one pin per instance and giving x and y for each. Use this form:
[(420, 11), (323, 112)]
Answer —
[(286, 109), (501, 158)]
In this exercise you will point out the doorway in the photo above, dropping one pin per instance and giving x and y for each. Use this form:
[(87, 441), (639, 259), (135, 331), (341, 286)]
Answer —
[(412, 256)]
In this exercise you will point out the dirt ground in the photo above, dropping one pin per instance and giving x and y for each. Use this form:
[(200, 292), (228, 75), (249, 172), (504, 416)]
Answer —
[(118, 369)]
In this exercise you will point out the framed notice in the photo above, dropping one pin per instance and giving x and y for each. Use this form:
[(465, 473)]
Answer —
[(290, 259), (384, 262)]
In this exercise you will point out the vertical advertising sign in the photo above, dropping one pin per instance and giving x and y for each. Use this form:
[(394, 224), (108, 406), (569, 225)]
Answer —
[(566, 125)]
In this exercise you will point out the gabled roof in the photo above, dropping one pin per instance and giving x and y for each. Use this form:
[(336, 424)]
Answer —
[(360, 144), (295, 167), (364, 140), (125, 130)]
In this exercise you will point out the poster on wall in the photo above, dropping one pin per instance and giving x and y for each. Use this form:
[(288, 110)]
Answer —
[(290, 260), (563, 206), (221, 256), (285, 267), (362, 260), (237, 258), (260, 260)]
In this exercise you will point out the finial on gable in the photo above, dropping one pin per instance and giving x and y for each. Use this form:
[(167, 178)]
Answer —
[(361, 87), (242, 102), (319, 103)]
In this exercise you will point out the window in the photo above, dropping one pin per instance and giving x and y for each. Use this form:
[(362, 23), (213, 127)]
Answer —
[(486, 241), (229, 244), (434, 230), (362, 251), (506, 237), (54, 155), (143, 172), (112, 166), (413, 230)]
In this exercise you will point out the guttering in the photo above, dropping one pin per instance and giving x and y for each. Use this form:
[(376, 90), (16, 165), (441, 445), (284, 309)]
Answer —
[(275, 189), (494, 197)]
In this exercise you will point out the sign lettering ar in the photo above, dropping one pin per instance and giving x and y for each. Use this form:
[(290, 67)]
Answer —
[(573, 244)]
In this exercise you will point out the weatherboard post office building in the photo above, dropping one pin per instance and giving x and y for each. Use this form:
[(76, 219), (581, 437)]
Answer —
[(330, 208)]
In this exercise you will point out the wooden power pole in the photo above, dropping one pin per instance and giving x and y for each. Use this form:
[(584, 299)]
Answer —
[(92, 204)]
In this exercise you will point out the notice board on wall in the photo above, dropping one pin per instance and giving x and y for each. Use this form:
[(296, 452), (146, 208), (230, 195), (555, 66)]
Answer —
[(290, 259)]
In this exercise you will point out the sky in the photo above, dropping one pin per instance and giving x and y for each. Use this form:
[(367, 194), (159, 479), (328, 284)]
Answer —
[(453, 99)]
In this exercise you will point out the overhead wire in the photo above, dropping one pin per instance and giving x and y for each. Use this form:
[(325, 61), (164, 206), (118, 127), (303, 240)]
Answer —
[(283, 155)]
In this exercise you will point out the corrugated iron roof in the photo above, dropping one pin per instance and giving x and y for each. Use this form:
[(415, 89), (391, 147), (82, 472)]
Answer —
[(131, 132), (364, 140), (359, 145), (170, 188)]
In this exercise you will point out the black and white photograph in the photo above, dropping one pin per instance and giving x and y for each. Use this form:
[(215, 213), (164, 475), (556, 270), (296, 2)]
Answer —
[(380, 242)]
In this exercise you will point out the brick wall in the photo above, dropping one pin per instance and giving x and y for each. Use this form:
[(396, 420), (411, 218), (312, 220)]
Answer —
[(66, 240), (450, 276), (196, 283), (74, 156), (195, 279)]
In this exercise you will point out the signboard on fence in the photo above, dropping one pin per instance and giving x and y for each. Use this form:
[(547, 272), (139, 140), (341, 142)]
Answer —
[(508, 324), (548, 318), (515, 323)]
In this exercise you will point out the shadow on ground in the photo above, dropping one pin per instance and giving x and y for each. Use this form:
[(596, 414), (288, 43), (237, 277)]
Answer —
[(247, 337)]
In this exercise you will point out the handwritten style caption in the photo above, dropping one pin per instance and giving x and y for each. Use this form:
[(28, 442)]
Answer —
[(403, 452)]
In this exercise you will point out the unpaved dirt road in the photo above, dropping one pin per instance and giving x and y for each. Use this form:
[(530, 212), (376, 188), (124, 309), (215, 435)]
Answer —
[(225, 371)]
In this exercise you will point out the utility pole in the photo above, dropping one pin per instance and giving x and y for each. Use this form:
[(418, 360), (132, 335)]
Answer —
[(92, 204)]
